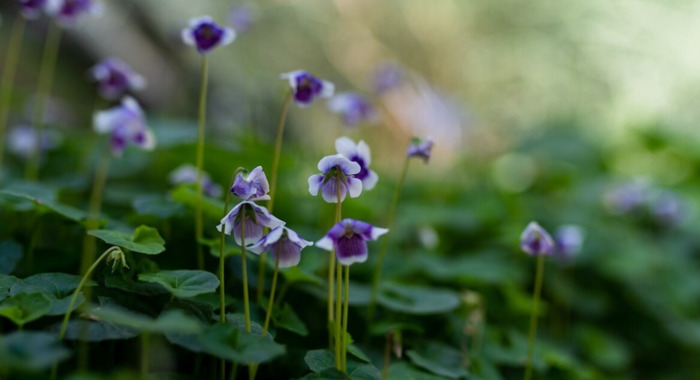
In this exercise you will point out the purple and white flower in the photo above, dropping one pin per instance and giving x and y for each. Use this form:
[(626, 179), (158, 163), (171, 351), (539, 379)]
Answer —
[(22, 141), (205, 34), (306, 87), (68, 12), (256, 218), (127, 125), (31, 9), (386, 76), (420, 148), (355, 108), (536, 241), (667, 208), (360, 154), (349, 239), (254, 187), (626, 198), (115, 78), (568, 240), (240, 17), (187, 174), (284, 243), (337, 179)]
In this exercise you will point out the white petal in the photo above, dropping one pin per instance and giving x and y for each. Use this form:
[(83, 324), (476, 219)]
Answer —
[(354, 187), (274, 235), (105, 121), (292, 78), (328, 89), (294, 237), (132, 105), (228, 37), (187, 37), (370, 181), (348, 167), (346, 147), (315, 184), (378, 231), (339, 103), (137, 82), (53, 6), (149, 142), (195, 21), (363, 152), (325, 243)]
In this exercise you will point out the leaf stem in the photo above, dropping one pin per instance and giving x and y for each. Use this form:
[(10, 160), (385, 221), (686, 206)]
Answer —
[(198, 224), (533, 316), (270, 302), (8, 75)]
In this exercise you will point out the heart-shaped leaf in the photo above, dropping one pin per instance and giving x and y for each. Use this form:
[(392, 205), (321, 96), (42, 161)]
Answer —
[(144, 240), (168, 321), (183, 283), (440, 359), (417, 299), (30, 351), (25, 307), (6, 283), (10, 254), (58, 287), (227, 342)]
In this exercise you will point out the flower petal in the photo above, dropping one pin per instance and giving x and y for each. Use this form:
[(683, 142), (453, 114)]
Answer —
[(187, 35), (364, 153), (354, 187), (195, 21), (329, 191), (346, 147), (228, 37), (327, 89), (292, 78), (352, 249), (325, 243), (370, 181), (315, 182)]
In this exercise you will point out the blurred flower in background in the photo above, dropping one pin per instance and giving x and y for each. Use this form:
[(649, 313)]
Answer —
[(420, 148), (240, 17), (536, 241), (306, 87), (31, 9), (68, 12), (568, 241), (126, 125), (667, 208), (115, 78), (386, 76), (627, 197), (21, 141), (354, 108), (187, 174)]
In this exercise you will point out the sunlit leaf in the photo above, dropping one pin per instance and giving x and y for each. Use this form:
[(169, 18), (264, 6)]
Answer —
[(144, 240)]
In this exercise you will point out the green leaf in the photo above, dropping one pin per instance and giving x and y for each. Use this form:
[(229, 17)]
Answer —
[(30, 351), (405, 371), (183, 283), (158, 205), (365, 372), (296, 274), (46, 202), (238, 321), (287, 319), (58, 287), (440, 359), (211, 207), (417, 299), (319, 360), (168, 321), (145, 240), (25, 307), (10, 254), (358, 353), (98, 331), (228, 342), (6, 283)]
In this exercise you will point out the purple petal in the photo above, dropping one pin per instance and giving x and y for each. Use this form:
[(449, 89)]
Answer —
[(354, 187), (330, 190), (328, 162), (536, 241), (315, 182), (351, 249)]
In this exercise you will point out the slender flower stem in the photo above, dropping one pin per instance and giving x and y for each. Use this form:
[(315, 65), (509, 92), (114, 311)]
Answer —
[(345, 319), (533, 316), (246, 302), (338, 319), (387, 355), (270, 302), (94, 207), (273, 186), (8, 75), (48, 64), (145, 338), (198, 224), (222, 258), (331, 269), (376, 276)]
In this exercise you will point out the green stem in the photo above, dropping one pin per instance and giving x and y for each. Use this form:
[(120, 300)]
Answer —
[(86, 277), (234, 371), (48, 64), (273, 186), (331, 270), (387, 355), (222, 258), (8, 75), (94, 207), (533, 316), (246, 302), (198, 224), (270, 302), (345, 319), (376, 276), (144, 353), (338, 319)]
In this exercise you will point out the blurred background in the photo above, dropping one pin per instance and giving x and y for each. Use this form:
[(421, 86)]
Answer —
[(576, 112)]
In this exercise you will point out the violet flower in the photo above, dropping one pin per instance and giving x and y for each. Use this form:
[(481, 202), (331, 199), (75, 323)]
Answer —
[(240, 17), (386, 76), (115, 78), (355, 108), (360, 154), (127, 125), (21, 141), (626, 198), (349, 239), (536, 241), (337, 170), (187, 174), (68, 12), (256, 218), (568, 240), (31, 9), (254, 187), (205, 34), (284, 242), (667, 208), (420, 148), (306, 87)]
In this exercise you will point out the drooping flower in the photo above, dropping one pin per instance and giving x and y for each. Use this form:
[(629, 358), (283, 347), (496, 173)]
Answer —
[(127, 125), (420, 148), (31, 9), (240, 17), (253, 187), (115, 78), (256, 218), (337, 179), (355, 108), (349, 239), (187, 174), (204, 34), (536, 241), (568, 240), (68, 12), (360, 154), (283, 242), (306, 87), (386, 76), (118, 259), (21, 141)]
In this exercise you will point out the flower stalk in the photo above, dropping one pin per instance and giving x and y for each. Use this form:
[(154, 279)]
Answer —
[(222, 277), (94, 207), (533, 316), (271, 301), (344, 361), (8, 75), (199, 228)]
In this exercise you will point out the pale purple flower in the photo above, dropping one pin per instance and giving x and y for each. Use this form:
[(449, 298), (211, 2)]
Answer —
[(31, 9), (667, 208), (115, 78), (536, 241), (256, 218), (420, 148), (240, 17), (21, 141), (386, 76), (68, 12), (306, 87), (283, 242), (187, 174), (568, 240), (205, 34), (355, 108), (127, 125), (627, 197), (253, 187), (349, 239), (360, 154), (337, 179)]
